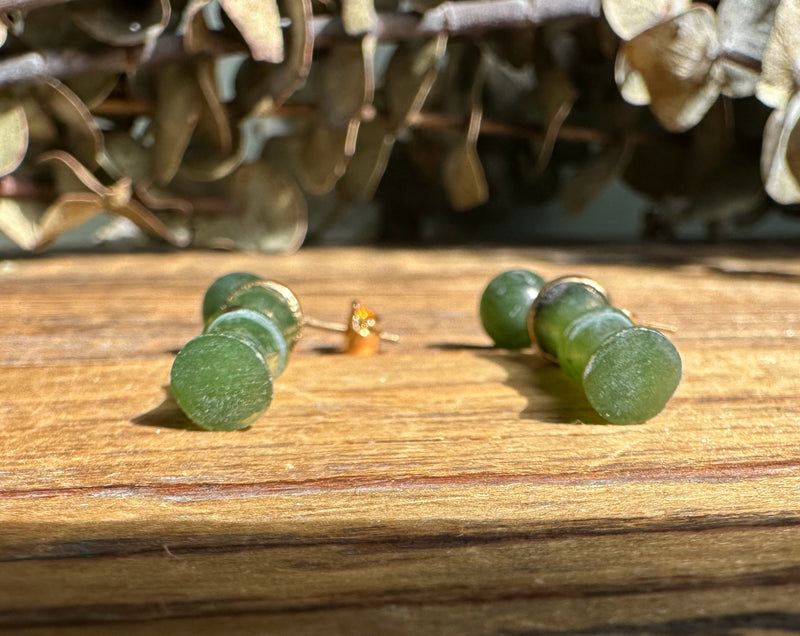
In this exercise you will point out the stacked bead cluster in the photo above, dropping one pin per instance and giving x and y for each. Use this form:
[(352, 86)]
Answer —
[(627, 372), (222, 379)]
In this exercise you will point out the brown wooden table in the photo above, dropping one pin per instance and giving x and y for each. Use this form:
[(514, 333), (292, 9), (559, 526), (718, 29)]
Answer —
[(439, 487)]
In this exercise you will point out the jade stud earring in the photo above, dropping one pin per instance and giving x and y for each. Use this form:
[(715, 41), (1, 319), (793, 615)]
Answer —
[(628, 372), (222, 380)]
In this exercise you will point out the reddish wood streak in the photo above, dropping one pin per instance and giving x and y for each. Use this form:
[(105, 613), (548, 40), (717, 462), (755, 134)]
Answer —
[(713, 473)]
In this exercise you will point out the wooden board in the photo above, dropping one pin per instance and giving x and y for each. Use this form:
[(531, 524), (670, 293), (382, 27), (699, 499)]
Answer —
[(441, 486)]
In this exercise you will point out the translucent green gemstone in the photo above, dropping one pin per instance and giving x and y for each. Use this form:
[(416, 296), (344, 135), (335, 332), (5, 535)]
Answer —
[(504, 307), (221, 382), (220, 289), (559, 303), (259, 331), (585, 334), (632, 375), (275, 301)]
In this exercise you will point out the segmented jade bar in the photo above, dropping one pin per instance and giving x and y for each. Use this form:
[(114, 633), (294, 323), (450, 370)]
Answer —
[(628, 372)]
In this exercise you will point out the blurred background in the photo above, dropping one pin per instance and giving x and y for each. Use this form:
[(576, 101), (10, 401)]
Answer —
[(231, 125)]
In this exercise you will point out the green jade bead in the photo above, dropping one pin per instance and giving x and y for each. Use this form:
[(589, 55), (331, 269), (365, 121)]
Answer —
[(273, 300), (559, 303), (632, 375), (504, 307), (221, 382), (585, 334), (219, 291), (259, 331)]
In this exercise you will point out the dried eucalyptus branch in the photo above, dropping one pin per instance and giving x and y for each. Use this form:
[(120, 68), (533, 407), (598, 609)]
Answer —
[(13, 187), (454, 18), (425, 120), (461, 18), (27, 5)]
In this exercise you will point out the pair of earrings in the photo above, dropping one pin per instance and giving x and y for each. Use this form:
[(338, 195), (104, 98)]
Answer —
[(222, 380), (628, 372)]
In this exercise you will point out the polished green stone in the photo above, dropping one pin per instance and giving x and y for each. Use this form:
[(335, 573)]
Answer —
[(585, 334), (259, 331), (504, 307), (221, 382), (558, 305), (274, 303), (632, 375), (218, 292)]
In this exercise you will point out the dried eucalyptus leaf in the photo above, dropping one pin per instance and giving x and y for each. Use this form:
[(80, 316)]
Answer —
[(42, 131), (591, 180), (118, 194), (13, 136), (268, 213), (629, 18), (674, 59), (67, 212), (744, 26), (121, 23), (259, 23), (93, 88), (366, 167), (262, 87), (213, 125), (125, 156), (738, 80), (793, 152), (74, 169), (149, 222), (778, 155), (631, 84), (410, 76), (557, 94), (779, 64), (464, 179), (348, 81), (324, 156), (157, 198), (196, 35), (358, 16), (206, 162), (84, 137), (50, 28), (178, 107), (19, 222)]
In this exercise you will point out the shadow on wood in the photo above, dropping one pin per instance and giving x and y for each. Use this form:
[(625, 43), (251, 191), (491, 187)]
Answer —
[(167, 415), (533, 377)]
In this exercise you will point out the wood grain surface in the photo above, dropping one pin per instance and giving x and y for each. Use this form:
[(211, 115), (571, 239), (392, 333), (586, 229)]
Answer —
[(439, 487)]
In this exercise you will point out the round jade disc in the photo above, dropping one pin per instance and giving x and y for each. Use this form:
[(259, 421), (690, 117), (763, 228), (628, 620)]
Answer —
[(279, 307), (585, 334), (258, 330), (220, 289), (504, 307), (556, 307), (221, 382), (632, 375)]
